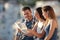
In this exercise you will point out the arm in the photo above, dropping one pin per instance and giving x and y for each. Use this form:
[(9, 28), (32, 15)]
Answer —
[(34, 29), (52, 29), (39, 35), (33, 32)]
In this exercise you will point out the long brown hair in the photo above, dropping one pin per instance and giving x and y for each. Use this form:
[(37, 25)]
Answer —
[(51, 12)]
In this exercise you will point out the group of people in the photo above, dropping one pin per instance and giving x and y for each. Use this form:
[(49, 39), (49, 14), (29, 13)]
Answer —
[(42, 26)]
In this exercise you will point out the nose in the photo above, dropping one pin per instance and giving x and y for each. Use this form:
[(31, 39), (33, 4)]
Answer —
[(25, 13)]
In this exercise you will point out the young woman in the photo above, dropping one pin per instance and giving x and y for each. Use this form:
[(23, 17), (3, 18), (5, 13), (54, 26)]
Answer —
[(50, 24), (37, 29)]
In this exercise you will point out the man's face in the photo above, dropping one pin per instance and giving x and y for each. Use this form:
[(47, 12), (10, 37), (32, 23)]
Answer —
[(27, 14)]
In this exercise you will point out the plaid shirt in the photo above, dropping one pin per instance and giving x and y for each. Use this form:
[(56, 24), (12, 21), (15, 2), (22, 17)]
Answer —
[(29, 25)]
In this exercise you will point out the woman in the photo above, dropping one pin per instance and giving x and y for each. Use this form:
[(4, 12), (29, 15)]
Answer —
[(37, 29), (51, 23)]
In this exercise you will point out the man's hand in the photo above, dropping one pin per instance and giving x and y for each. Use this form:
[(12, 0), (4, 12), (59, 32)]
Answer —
[(19, 30)]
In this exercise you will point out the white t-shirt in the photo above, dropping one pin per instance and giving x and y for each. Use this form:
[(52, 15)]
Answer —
[(40, 25)]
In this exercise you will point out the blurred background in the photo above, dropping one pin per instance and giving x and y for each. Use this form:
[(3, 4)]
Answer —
[(11, 11)]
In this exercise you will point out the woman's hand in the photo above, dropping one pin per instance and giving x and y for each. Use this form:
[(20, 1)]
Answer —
[(29, 32), (46, 38)]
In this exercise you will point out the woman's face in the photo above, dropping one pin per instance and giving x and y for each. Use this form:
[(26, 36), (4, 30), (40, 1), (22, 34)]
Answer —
[(36, 15), (45, 14)]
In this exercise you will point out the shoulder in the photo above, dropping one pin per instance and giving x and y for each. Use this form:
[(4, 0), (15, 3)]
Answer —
[(53, 23)]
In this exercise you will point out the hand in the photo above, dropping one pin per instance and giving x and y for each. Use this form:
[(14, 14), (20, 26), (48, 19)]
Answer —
[(29, 32), (19, 30), (46, 38)]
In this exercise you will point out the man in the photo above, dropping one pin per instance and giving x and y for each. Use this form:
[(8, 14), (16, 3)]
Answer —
[(29, 21)]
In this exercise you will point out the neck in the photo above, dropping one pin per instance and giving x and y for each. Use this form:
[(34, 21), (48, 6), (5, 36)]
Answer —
[(46, 22), (47, 19), (40, 20)]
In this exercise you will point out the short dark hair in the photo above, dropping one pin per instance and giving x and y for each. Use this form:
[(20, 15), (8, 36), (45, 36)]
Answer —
[(39, 10), (26, 8)]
